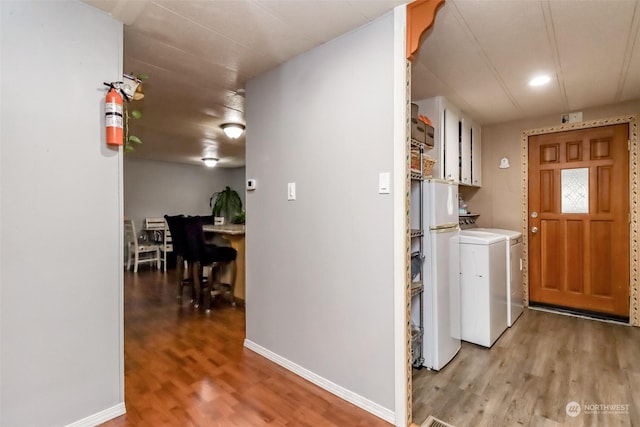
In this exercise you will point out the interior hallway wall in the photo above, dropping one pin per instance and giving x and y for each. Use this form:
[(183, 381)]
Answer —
[(320, 268), (153, 188), (60, 222)]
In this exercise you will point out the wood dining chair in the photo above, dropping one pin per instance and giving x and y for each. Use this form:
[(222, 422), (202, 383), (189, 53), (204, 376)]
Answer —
[(139, 252), (162, 236), (166, 247)]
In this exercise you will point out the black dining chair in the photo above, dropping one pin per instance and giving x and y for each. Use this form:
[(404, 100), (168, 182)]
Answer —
[(176, 226), (201, 255), (206, 219)]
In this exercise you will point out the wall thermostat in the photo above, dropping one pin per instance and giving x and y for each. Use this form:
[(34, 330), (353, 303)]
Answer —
[(251, 184)]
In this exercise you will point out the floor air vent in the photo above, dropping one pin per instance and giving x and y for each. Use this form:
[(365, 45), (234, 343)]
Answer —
[(434, 422)]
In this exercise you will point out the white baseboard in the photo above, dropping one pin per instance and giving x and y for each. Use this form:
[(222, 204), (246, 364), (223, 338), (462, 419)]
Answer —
[(361, 402), (101, 417)]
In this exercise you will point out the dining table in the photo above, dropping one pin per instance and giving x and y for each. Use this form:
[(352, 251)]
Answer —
[(234, 236)]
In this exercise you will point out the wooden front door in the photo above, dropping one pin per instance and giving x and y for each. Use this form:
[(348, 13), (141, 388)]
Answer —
[(579, 219)]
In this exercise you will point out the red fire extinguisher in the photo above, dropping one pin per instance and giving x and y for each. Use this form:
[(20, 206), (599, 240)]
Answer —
[(113, 117)]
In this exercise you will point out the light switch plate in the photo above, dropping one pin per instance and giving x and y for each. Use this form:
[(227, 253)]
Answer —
[(384, 183), (291, 191)]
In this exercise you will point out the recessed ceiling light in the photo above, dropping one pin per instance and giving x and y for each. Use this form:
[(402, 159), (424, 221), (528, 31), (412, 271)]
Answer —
[(539, 81)]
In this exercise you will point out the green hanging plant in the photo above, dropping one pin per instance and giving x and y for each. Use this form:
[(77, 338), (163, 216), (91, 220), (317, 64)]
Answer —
[(130, 141)]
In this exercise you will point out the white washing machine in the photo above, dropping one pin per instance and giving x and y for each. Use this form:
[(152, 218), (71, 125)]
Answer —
[(483, 294), (514, 271)]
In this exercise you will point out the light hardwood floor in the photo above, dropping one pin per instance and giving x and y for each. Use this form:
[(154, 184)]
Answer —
[(188, 368), (543, 362)]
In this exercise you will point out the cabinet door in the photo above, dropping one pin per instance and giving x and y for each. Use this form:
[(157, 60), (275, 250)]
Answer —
[(476, 155), (451, 144), (465, 151)]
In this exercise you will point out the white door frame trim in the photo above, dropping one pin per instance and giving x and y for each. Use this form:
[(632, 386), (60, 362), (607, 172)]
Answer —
[(401, 242)]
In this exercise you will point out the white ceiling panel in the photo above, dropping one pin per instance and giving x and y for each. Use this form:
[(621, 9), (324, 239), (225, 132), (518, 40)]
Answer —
[(516, 49), (458, 63), (185, 65), (426, 84), (188, 35), (592, 38), (450, 56), (337, 16), (269, 35), (371, 9), (629, 85), (511, 45)]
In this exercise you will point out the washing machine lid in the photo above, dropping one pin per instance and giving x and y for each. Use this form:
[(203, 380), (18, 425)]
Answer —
[(476, 237), (510, 234)]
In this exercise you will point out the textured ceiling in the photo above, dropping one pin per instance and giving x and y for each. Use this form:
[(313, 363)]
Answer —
[(480, 54), (199, 54)]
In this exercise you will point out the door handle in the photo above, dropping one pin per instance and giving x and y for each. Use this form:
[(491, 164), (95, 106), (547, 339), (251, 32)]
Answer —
[(534, 230)]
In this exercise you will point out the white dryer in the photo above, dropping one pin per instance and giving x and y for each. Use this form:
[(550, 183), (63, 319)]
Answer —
[(483, 294), (515, 298)]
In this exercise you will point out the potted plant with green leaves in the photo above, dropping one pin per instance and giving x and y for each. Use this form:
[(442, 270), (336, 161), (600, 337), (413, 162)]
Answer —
[(240, 217), (226, 203), (132, 87)]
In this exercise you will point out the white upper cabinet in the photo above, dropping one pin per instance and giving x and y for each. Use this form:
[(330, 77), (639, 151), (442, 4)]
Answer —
[(457, 142), (451, 142), (446, 122), (476, 155), (466, 135), (470, 152)]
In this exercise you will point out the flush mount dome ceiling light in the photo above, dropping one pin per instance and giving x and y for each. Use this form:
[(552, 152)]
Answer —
[(210, 161), (539, 80), (233, 130)]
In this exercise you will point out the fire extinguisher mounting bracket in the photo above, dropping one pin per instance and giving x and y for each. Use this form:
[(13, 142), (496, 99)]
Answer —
[(117, 86)]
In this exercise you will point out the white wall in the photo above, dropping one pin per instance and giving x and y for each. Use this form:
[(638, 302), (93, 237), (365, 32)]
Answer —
[(153, 189), (320, 269), (60, 221)]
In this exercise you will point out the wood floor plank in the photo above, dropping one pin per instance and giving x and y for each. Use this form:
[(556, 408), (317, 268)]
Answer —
[(184, 367), (543, 362)]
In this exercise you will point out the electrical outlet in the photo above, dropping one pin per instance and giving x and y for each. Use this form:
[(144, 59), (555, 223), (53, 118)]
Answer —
[(575, 117), (572, 117)]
